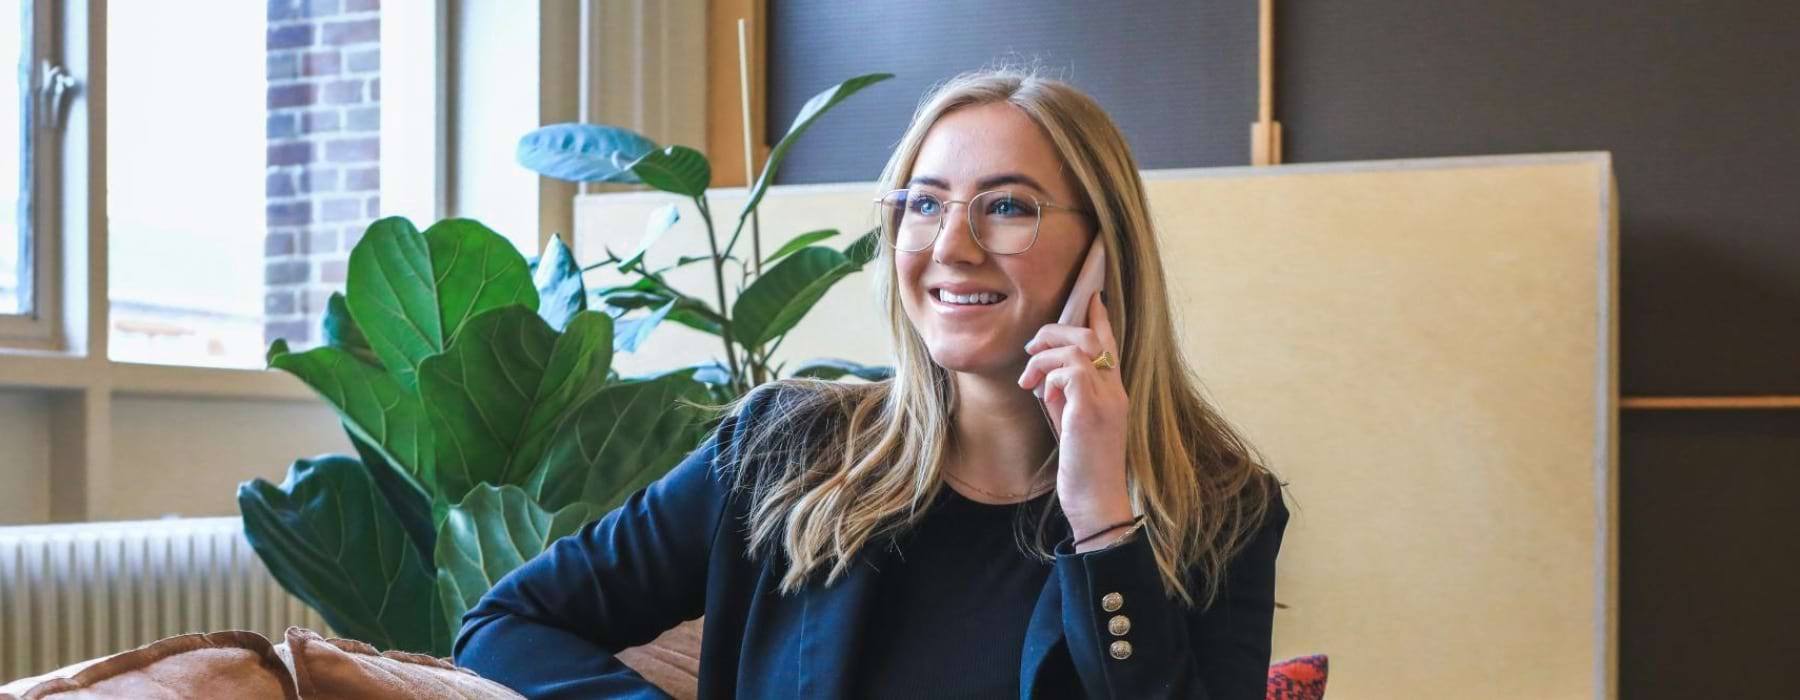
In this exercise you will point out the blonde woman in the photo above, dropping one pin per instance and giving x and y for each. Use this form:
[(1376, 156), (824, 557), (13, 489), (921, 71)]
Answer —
[(943, 534)]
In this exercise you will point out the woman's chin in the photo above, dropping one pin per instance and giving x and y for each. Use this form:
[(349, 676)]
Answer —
[(978, 364)]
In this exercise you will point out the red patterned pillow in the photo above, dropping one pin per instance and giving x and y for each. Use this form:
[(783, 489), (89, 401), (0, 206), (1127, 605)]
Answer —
[(1300, 678)]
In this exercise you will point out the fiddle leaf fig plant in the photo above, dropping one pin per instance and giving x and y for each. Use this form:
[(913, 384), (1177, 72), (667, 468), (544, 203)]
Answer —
[(773, 293), (478, 391)]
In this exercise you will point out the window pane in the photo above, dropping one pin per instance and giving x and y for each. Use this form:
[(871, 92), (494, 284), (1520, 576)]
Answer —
[(15, 236), (241, 168)]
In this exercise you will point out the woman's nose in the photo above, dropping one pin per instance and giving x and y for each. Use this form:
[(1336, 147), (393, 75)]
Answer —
[(956, 243)]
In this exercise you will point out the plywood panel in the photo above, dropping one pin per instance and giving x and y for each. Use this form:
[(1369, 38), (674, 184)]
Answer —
[(1424, 349)]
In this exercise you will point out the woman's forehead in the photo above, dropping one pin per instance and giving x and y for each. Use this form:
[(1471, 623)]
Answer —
[(974, 148)]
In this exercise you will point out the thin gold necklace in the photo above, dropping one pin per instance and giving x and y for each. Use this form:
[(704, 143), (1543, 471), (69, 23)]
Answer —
[(1034, 491)]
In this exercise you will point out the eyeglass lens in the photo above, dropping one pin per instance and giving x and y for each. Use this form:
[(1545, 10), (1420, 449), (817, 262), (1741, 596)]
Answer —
[(1002, 222)]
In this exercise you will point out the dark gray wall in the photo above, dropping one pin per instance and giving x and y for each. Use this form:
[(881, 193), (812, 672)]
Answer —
[(1698, 101), (1178, 77)]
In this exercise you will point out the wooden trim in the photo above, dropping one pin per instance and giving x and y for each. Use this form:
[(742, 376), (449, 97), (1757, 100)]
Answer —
[(724, 125), (1265, 134), (1708, 402)]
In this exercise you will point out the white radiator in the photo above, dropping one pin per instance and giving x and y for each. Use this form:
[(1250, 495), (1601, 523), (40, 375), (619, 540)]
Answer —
[(78, 591)]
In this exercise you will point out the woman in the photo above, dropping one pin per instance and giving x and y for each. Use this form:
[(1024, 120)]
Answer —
[(943, 534)]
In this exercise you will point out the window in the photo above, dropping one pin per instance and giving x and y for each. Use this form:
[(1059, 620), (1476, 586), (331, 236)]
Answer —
[(240, 170), (15, 191)]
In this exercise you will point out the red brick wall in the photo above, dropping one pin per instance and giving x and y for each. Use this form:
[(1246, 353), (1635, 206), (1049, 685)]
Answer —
[(324, 154)]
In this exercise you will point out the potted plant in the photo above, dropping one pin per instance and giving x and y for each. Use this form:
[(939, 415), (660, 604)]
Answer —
[(478, 391)]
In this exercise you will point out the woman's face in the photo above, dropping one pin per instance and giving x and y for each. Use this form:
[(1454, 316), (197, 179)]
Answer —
[(970, 150)]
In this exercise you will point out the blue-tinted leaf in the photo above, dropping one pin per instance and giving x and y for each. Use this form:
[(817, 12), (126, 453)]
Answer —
[(634, 331), (561, 293), (828, 368), (583, 152), (659, 223)]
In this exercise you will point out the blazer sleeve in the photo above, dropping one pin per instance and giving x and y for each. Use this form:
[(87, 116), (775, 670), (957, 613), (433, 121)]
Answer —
[(551, 627), (1175, 652)]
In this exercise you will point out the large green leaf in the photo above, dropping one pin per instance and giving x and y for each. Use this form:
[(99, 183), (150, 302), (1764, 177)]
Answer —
[(410, 292), (561, 293), (492, 532), (373, 404), (328, 537), (583, 152), (801, 241), (410, 505), (476, 270), (629, 435), (499, 393), (809, 113), (784, 293), (341, 331), (676, 169), (393, 296)]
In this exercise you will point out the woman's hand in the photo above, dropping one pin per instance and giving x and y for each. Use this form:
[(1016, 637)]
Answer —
[(1088, 410)]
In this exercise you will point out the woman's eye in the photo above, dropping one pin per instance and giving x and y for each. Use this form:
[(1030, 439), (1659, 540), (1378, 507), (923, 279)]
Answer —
[(1007, 207), (924, 205)]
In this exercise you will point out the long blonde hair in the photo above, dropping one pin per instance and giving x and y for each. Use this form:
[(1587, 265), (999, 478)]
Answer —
[(842, 465)]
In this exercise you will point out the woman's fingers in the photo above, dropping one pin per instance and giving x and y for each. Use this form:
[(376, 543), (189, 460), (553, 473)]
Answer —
[(1046, 361), (1053, 335), (1101, 322)]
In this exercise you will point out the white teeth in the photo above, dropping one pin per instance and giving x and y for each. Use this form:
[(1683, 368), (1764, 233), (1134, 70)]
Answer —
[(978, 298)]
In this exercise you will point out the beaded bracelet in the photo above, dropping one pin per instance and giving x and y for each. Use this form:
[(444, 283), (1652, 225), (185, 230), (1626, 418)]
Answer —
[(1110, 528)]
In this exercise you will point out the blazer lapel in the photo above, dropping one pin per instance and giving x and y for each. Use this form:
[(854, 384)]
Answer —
[(1042, 636), (832, 629)]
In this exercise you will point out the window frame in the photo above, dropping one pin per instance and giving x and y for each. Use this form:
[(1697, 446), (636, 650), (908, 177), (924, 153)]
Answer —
[(63, 343), (36, 328)]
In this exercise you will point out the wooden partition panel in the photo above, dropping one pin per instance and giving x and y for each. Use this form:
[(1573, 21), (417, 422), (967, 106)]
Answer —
[(1426, 350)]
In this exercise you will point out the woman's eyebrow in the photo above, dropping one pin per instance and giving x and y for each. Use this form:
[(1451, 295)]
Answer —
[(983, 184)]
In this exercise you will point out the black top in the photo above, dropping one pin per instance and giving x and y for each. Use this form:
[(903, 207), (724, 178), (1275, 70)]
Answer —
[(957, 581)]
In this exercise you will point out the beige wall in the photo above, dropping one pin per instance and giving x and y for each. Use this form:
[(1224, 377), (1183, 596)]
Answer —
[(169, 456), (179, 456), (1426, 350), (24, 458)]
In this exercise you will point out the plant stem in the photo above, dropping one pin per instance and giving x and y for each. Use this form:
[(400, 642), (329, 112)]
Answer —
[(756, 240), (718, 265)]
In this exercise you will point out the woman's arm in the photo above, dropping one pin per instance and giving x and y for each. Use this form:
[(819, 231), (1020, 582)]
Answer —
[(551, 627), (1219, 654)]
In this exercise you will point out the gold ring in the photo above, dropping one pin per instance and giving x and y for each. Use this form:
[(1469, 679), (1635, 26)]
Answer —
[(1106, 360)]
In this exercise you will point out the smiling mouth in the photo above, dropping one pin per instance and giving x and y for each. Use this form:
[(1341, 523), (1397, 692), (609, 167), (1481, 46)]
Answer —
[(976, 299)]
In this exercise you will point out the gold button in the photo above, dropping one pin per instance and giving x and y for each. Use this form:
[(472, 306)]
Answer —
[(1120, 650), (1118, 625), (1111, 602)]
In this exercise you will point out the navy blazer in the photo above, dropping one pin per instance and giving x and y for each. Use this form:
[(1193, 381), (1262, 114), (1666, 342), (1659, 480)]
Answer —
[(677, 549)]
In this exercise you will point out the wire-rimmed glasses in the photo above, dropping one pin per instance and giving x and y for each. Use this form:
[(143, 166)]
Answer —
[(1003, 222)]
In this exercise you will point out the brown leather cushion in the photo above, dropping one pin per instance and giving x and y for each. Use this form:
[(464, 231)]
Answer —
[(671, 661), (213, 665), (326, 669)]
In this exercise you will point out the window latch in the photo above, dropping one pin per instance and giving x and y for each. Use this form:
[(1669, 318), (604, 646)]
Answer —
[(54, 85)]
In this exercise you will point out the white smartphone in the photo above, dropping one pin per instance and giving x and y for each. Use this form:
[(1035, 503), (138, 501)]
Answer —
[(1091, 279)]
